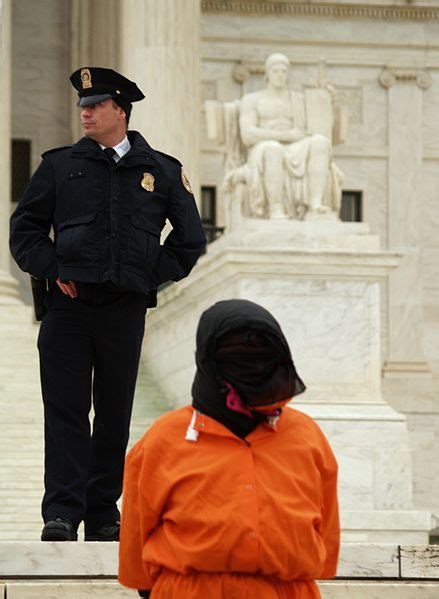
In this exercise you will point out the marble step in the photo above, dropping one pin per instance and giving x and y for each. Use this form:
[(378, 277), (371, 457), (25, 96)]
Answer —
[(357, 561), (97, 589), (21, 414), (21, 463)]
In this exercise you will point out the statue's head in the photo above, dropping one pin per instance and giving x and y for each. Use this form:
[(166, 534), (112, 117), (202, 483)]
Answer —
[(277, 67)]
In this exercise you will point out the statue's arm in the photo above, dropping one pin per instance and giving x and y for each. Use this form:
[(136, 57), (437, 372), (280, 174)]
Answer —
[(251, 133)]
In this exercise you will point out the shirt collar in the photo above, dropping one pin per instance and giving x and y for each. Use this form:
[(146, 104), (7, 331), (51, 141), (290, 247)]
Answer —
[(121, 148)]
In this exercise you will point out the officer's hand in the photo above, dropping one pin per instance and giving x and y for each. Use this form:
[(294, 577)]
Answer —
[(68, 288)]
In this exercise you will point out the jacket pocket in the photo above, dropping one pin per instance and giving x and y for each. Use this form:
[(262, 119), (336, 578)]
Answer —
[(76, 239), (143, 243)]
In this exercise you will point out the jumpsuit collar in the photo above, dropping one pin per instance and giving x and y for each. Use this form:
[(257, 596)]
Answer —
[(200, 424)]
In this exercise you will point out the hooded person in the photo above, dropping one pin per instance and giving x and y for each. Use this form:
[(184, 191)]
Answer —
[(236, 495)]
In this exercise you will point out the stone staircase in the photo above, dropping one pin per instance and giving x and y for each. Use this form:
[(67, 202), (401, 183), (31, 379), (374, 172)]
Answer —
[(21, 417), (34, 570)]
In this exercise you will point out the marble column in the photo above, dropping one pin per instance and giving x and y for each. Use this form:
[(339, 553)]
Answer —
[(159, 49), (405, 124), (94, 40), (8, 285)]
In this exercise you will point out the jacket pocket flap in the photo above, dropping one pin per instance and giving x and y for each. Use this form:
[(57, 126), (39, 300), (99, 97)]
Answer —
[(78, 220), (140, 221)]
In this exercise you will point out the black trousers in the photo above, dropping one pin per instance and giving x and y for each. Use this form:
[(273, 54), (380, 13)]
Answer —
[(89, 351)]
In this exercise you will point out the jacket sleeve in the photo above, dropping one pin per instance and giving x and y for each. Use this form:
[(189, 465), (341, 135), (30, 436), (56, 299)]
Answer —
[(330, 526), (144, 494), (186, 242), (30, 244)]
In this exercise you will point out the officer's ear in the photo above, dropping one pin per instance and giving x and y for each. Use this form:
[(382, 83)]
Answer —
[(121, 113)]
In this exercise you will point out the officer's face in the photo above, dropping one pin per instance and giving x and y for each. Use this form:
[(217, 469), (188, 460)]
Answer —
[(102, 120)]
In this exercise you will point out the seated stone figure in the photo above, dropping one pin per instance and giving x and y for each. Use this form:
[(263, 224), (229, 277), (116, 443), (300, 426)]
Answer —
[(278, 143)]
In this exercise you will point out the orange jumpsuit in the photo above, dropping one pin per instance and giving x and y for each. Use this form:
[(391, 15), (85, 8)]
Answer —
[(226, 518)]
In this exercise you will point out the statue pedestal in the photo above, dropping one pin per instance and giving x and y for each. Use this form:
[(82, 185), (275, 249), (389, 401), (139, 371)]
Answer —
[(321, 281)]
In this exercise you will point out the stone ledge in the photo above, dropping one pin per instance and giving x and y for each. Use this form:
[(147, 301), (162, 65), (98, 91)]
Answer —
[(33, 559), (339, 10), (107, 589)]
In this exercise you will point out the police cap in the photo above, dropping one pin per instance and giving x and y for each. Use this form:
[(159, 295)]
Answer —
[(96, 84)]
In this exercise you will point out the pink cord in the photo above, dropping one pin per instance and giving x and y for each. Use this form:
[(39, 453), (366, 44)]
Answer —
[(235, 403)]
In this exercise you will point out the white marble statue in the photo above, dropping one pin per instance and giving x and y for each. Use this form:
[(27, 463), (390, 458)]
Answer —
[(278, 147)]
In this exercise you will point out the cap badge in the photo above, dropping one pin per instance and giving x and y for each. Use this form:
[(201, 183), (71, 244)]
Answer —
[(147, 182), (185, 181), (86, 78)]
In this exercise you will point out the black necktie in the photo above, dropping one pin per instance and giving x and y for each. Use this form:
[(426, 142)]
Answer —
[(110, 153)]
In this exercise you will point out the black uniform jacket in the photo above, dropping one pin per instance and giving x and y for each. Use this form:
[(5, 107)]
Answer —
[(107, 224)]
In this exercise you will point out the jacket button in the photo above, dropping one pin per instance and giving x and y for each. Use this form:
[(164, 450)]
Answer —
[(252, 535), (249, 487), (107, 237), (113, 235)]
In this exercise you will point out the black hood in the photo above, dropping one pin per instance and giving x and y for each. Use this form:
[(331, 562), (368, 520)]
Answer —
[(209, 391)]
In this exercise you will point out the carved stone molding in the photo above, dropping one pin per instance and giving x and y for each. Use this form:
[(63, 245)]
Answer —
[(339, 11), (389, 76)]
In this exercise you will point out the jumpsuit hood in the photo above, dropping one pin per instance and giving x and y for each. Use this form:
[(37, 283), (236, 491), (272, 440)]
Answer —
[(241, 349)]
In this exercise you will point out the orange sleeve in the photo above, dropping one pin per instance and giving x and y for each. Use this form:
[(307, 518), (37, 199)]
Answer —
[(143, 498), (330, 526)]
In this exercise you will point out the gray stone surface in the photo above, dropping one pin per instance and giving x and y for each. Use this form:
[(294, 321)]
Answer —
[(67, 590), (21, 413), (418, 561), (23, 559), (378, 590), (368, 561)]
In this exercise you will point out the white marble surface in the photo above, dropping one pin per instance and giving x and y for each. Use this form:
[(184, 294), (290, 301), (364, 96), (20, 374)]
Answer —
[(419, 561), (52, 560), (361, 561), (69, 559), (320, 296), (378, 590), (327, 302), (21, 412), (355, 54), (68, 590), (374, 564), (430, 130), (329, 590), (159, 49)]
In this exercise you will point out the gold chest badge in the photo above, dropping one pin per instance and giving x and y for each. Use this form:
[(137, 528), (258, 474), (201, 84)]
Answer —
[(147, 182)]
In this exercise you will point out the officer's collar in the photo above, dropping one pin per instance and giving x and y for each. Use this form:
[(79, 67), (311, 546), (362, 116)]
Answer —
[(140, 152)]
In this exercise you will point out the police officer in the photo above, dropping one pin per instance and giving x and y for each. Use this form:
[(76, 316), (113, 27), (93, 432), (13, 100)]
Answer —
[(107, 198)]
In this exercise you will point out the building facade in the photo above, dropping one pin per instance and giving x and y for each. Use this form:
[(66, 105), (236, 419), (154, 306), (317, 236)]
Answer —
[(381, 56)]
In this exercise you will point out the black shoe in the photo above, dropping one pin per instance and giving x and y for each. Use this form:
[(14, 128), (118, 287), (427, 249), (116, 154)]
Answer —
[(108, 532), (59, 529)]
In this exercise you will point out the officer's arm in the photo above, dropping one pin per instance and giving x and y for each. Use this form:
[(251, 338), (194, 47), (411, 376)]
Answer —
[(30, 244), (186, 242)]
